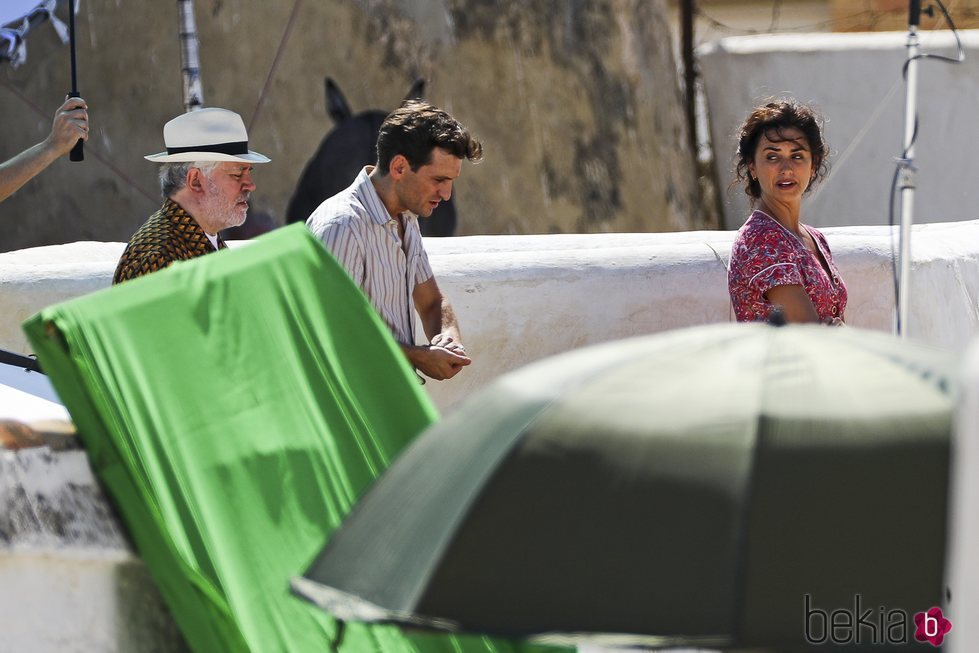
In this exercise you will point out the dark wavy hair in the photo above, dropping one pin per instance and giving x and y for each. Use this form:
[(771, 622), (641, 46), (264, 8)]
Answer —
[(415, 129), (770, 119)]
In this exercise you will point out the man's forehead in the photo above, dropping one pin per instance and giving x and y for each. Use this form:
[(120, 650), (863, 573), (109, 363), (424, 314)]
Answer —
[(444, 162), (234, 166)]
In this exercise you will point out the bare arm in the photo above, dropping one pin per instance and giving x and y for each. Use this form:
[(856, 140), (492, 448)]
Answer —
[(445, 356), (438, 318), (795, 304), (70, 124)]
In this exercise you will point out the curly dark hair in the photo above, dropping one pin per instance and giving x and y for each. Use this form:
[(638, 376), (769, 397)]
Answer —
[(770, 119), (415, 129)]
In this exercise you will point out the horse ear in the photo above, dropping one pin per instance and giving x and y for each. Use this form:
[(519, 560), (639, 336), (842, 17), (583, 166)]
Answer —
[(336, 104), (417, 90)]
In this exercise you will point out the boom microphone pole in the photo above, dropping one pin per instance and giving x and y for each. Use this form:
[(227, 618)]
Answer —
[(78, 152), (907, 170)]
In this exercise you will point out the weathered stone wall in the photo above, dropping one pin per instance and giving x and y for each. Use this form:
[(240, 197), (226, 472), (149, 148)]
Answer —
[(69, 580), (577, 104)]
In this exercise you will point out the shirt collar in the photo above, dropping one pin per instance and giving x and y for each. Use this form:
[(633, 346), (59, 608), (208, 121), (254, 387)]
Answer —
[(367, 194), (178, 216)]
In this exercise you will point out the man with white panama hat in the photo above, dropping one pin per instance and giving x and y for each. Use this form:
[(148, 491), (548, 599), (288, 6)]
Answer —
[(205, 179)]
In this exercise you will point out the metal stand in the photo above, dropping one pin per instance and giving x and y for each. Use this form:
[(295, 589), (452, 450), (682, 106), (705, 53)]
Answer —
[(190, 63), (907, 170)]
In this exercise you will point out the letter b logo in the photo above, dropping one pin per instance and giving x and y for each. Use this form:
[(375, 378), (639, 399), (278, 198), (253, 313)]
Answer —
[(931, 626)]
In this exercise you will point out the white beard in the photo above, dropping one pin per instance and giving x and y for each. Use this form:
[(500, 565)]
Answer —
[(216, 211)]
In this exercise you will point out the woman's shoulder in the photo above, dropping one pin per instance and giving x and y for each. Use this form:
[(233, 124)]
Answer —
[(815, 232), (760, 226), (818, 235)]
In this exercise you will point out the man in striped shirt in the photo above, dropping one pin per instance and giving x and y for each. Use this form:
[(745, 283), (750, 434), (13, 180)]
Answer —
[(372, 230)]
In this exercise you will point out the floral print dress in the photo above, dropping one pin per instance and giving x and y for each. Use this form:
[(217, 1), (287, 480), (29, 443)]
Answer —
[(765, 254)]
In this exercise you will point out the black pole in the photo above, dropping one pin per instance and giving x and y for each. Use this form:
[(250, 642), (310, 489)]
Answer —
[(77, 152), (687, 11), (17, 360), (914, 13)]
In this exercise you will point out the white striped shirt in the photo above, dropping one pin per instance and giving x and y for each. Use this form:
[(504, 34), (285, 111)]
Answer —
[(362, 235)]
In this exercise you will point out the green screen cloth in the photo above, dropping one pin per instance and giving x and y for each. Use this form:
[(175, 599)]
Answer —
[(235, 406)]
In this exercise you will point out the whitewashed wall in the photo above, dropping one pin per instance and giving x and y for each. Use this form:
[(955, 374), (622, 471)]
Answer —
[(521, 298), (855, 81), (963, 564)]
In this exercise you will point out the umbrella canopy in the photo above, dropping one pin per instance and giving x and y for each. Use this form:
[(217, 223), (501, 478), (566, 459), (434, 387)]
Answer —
[(687, 488)]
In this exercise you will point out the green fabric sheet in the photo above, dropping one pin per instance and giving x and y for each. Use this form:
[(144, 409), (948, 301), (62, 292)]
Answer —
[(235, 406)]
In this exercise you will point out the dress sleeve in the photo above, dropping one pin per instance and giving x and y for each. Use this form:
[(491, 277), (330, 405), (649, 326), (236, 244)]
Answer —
[(778, 274), (767, 258)]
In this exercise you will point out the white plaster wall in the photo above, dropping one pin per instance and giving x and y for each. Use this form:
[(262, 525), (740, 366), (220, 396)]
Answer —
[(31, 279), (855, 81), (963, 564), (521, 298)]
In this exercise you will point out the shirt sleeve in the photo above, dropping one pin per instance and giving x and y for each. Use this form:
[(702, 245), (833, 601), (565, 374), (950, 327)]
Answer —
[(423, 269), (340, 239)]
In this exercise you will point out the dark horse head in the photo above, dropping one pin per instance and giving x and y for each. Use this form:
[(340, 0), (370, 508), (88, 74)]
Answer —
[(347, 148)]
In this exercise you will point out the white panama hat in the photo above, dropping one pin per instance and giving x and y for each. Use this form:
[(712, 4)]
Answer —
[(206, 135)]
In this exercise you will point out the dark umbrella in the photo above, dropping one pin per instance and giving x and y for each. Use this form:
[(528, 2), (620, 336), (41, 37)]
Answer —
[(688, 488)]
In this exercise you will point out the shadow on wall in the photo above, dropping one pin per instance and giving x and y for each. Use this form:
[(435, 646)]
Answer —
[(347, 148), (577, 105)]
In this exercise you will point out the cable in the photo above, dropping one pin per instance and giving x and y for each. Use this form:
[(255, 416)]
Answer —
[(960, 56), (776, 12), (91, 149), (903, 160), (290, 23), (839, 161)]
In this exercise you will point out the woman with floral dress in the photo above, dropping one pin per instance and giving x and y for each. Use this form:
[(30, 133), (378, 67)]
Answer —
[(776, 260)]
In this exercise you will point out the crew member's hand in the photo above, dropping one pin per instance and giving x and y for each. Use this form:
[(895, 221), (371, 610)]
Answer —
[(70, 124)]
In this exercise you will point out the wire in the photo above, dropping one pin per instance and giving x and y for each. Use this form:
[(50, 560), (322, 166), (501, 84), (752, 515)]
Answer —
[(776, 14), (90, 148), (290, 23), (960, 51), (839, 161)]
